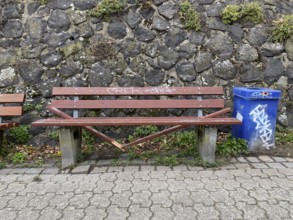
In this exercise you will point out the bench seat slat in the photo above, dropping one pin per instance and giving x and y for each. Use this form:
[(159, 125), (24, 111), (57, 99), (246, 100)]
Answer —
[(137, 104), (7, 125), (10, 110), (130, 121), (11, 98), (101, 91)]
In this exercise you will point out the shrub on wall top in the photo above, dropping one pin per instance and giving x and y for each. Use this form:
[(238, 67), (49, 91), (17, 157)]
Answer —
[(251, 12), (108, 7), (189, 16), (231, 13), (283, 28)]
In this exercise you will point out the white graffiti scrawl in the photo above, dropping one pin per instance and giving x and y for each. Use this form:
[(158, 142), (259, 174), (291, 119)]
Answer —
[(263, 125)]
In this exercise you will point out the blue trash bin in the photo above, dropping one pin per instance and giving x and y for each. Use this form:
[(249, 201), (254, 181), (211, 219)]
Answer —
[(257, 109)]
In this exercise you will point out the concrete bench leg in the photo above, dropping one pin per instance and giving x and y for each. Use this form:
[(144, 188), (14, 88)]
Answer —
[(206, 143), (70, 144)]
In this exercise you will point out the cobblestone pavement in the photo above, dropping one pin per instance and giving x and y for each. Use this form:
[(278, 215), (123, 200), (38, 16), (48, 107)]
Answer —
[(249, 188)]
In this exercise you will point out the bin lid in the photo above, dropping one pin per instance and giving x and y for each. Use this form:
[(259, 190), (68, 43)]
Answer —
[(256, 93)]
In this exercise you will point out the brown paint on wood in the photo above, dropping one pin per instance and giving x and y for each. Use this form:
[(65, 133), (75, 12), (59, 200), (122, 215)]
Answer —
[(11, 98), (105, 91), (174, 128), (88, 128), (8, 125), (137, 104), (10, 110), (127, 121)]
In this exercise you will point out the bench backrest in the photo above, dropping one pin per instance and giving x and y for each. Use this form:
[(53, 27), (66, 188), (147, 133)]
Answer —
[(6, 109), (7, 105), (103, 98)]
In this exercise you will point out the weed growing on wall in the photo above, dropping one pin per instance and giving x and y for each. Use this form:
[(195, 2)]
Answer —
[(232, 147), (104, 49), (189, 16), (250, 12), (54, 135), (142, 131), (231, 13), (88, 140), (283, 28), (32, 107), (106, 8), (284, 136), (18, 157), (20, 135)]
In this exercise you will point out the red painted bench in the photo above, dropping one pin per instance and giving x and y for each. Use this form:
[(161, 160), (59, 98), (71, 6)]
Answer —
[(8, 108), (142, 98)]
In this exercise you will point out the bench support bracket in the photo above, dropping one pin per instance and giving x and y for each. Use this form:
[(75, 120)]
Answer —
[(70, 144), (206, 142)]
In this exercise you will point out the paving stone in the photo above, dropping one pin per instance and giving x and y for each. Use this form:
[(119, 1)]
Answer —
[(241, 160), (242, 165), (34, 170), (115, 169), (180, 168), (140, 185), (161, 213), (80, 201), (175, 175), (60, 202), (240, 193), (279, 159), (116, 213), (81, 169), (121, 199), (228, 167), (163, 168), (5, 171), (29, 214), (205, 212), (99, 170), (273, 172), (228, 212), (259, 165), (40, 202), (18, 171), (141, 198), (233, 160), (8, 213), (131, 168), (182, 197), (253, 159), (184, 213), (289, 159), (265, 159), (288, 164), (195, 168), (275, 165), (138, 162), (50, 170), (50, 213), (93, 213), (137, 212), (101, 200), (147, 168), (73, 213)]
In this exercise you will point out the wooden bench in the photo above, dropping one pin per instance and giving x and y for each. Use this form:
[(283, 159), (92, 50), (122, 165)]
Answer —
[(141, 98), (8, 108)]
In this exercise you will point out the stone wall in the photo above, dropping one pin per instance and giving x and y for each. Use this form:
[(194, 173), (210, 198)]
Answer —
[(59, 44)]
